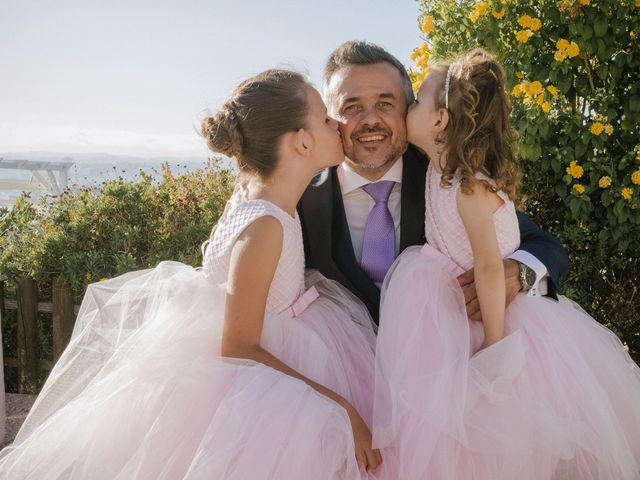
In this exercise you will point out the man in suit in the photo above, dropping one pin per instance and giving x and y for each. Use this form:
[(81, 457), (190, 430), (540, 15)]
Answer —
[(357, 217)]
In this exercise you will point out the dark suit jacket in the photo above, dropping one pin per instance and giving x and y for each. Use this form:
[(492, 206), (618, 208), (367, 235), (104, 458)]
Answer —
[(327, 241)]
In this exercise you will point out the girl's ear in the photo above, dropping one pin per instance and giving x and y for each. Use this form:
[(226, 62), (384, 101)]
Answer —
[(442, 119), (299, 141)]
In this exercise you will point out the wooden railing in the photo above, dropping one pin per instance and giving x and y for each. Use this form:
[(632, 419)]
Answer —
[(28, 361)]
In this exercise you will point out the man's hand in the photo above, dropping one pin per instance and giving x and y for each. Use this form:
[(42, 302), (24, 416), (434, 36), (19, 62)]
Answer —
[(512, 284)]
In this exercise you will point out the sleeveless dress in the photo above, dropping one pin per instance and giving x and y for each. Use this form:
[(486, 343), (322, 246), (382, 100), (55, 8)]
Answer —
[(142, 391), (557, 398)]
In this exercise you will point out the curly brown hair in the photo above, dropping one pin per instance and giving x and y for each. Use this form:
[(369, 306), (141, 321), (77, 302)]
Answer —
[(478, 136)]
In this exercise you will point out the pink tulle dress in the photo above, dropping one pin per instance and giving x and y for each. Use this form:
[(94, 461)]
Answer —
[(557, 398), (142, 391)]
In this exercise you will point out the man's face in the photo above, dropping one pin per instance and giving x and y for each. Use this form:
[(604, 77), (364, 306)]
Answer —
[(369, 103)]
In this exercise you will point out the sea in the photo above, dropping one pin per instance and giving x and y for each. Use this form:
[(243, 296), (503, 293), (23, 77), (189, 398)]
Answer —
[(92, 170)]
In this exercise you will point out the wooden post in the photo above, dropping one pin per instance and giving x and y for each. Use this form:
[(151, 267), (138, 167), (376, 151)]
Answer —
[(63, 316), (28, 339)]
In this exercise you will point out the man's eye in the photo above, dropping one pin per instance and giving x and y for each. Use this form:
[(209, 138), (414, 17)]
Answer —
[(351, 108), (385, 105)]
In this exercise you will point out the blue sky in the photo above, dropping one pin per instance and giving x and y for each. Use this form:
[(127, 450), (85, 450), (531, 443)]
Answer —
[(132, 77)]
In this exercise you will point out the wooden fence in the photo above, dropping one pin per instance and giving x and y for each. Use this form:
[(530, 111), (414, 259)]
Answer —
[(28, 361)]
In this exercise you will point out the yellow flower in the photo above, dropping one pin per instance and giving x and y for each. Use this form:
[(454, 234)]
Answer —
[(638, 153), (575, 170), (535, 24), (552, 90), (498, 13), (428, 24), (540, 99), (523, 36), (88, 276), (562, 44), (578, 188), (416, 85), (637, 3), (482, 7), (596, 128), (415, 54), (525, 21), (584, 2), (608, 129), (535, 88), (560, 56), (520, 75), (604, 182), (104, 279), (573, 50), (635, 177), (474, 16), (626, 193), (632, 35), (517, 90), (546, 107)]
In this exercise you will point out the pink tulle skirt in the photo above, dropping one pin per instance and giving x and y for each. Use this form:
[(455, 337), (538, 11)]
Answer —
[(143, 393), (557, 398)]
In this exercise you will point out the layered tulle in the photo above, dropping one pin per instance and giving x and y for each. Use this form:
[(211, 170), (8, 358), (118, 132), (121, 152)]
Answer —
[(557, 398), (143, 393)]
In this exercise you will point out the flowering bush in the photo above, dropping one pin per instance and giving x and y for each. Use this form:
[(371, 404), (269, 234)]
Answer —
[(123, 226), (572, 68)]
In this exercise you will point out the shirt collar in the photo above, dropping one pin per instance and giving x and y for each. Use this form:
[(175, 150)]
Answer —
[(350, 180)]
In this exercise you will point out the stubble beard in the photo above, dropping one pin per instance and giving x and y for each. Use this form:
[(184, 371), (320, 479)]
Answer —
[(373, 169)]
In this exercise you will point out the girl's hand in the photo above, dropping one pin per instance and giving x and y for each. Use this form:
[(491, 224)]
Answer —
[(366, 456)]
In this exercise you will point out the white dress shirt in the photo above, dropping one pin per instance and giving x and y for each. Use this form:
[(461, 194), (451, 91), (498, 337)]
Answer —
[(358, 205)]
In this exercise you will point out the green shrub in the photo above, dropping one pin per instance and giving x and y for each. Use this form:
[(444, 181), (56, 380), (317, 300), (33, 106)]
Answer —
[(102, 233)]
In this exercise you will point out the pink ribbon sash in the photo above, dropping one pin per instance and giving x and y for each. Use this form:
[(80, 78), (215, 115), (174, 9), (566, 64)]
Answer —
[(303, 301)]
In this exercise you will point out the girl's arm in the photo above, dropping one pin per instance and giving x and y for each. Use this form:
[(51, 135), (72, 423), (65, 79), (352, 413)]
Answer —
[(254, 259), (476, 211)]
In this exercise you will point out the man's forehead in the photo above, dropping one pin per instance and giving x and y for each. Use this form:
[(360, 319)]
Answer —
[(355, 81)]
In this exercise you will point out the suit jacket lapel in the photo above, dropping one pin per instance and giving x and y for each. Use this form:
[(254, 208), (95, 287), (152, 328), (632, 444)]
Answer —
[(316, 210), (414, 171), (343, 254)]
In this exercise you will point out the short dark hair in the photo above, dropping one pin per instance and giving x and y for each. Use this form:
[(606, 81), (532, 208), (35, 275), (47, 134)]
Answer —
[(359, 52)]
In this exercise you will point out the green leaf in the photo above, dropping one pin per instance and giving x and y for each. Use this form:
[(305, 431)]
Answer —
[(605, 198), (600, 26), (564, 83), (580, 150)]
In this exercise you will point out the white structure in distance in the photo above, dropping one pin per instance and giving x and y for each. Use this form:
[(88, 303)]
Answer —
[(42, 180)]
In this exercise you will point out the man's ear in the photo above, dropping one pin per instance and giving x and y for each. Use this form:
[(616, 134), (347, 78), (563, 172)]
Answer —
[(443, 119)]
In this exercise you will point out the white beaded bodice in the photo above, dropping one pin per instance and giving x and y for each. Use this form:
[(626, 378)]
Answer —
[(444, 228), (288, 280)]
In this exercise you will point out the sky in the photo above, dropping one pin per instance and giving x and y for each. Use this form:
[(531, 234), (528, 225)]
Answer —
[(133, 77)]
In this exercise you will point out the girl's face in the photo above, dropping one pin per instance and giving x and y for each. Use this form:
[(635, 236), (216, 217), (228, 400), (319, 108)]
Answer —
[(424, 120), (326, 143)]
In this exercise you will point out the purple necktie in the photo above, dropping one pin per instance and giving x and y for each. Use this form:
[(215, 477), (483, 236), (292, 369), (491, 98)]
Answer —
[(379, 246)]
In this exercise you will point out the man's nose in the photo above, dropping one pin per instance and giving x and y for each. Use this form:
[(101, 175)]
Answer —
[(370, 116)]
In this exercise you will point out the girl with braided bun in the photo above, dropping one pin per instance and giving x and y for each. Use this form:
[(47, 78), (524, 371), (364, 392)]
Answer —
[(538, 390), (244, 369)]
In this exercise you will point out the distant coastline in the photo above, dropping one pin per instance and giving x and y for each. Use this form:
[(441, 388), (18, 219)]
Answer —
[(92, 170)]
